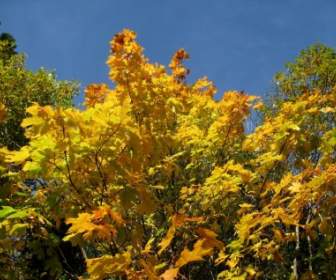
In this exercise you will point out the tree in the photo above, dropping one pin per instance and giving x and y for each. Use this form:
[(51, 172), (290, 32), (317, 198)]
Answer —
[(7, 47), (313, 69), (20, 88), (158, 180)]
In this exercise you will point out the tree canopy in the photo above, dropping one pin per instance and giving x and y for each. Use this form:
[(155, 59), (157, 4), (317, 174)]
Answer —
[(156, 179)]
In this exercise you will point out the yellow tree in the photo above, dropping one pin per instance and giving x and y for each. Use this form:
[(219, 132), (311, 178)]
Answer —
[(115, 170), (156, 179)]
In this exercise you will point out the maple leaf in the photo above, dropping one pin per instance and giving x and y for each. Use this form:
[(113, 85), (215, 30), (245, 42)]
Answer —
[(18, 157), (95, 93), (105, 266), (178, 220), (96, 225)]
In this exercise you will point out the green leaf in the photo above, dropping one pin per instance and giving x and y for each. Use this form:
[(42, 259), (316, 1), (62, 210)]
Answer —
[(18, 228), (5, 211), (19, 214)]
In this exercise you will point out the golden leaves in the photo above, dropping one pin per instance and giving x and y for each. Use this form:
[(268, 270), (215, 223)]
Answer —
[(223, 186), (220, 182), (178, 220), (95, 93), (179, 72), (18, 157), (202, 247), (246, 224), (38, 115), (106, 266), (122, 39), (167, 239), (204, 86), (101, 224), (126, 55), (170, 274), (2, 112), (233, 110)]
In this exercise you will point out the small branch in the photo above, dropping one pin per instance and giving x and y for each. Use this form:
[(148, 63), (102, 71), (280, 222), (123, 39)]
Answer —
[(69, 172), (72, 182), (297, 249), (83, 253), (310, 265), (65, 262)]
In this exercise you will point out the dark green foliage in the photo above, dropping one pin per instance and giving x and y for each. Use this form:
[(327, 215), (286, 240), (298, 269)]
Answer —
[(7, 46)]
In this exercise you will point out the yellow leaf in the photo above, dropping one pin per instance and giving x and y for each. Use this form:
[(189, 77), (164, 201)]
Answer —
[(327, 110), (222, 257), (250, 270), (170, 274), (18, 157), (150, 271), (101, 224), (258, 106), (148, 246), (200, 249), (210, 238), (2, 112), (34, 121), (178, 220), (168, 238), (107, 266)]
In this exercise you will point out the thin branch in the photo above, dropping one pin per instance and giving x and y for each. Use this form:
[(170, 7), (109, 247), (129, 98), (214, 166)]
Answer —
[(69, 172), (310, 265), (297, 250)]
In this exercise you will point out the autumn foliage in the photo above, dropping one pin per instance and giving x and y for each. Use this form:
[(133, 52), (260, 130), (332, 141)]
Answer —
[(157, 179)]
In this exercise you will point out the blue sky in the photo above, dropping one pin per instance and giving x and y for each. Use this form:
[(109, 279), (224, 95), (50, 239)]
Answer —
[(239, 44)]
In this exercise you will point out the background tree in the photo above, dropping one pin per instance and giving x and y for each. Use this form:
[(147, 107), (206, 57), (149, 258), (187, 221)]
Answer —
[(313, 69), (7, 46), (305, 95), (20, 88)]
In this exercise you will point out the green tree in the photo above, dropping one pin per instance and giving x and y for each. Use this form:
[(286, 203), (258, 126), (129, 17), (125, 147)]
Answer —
[(20, 88), (313, 69), (7, 46)]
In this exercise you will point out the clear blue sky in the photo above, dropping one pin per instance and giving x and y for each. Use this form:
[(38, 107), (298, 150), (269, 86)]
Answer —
[(239, 44)]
